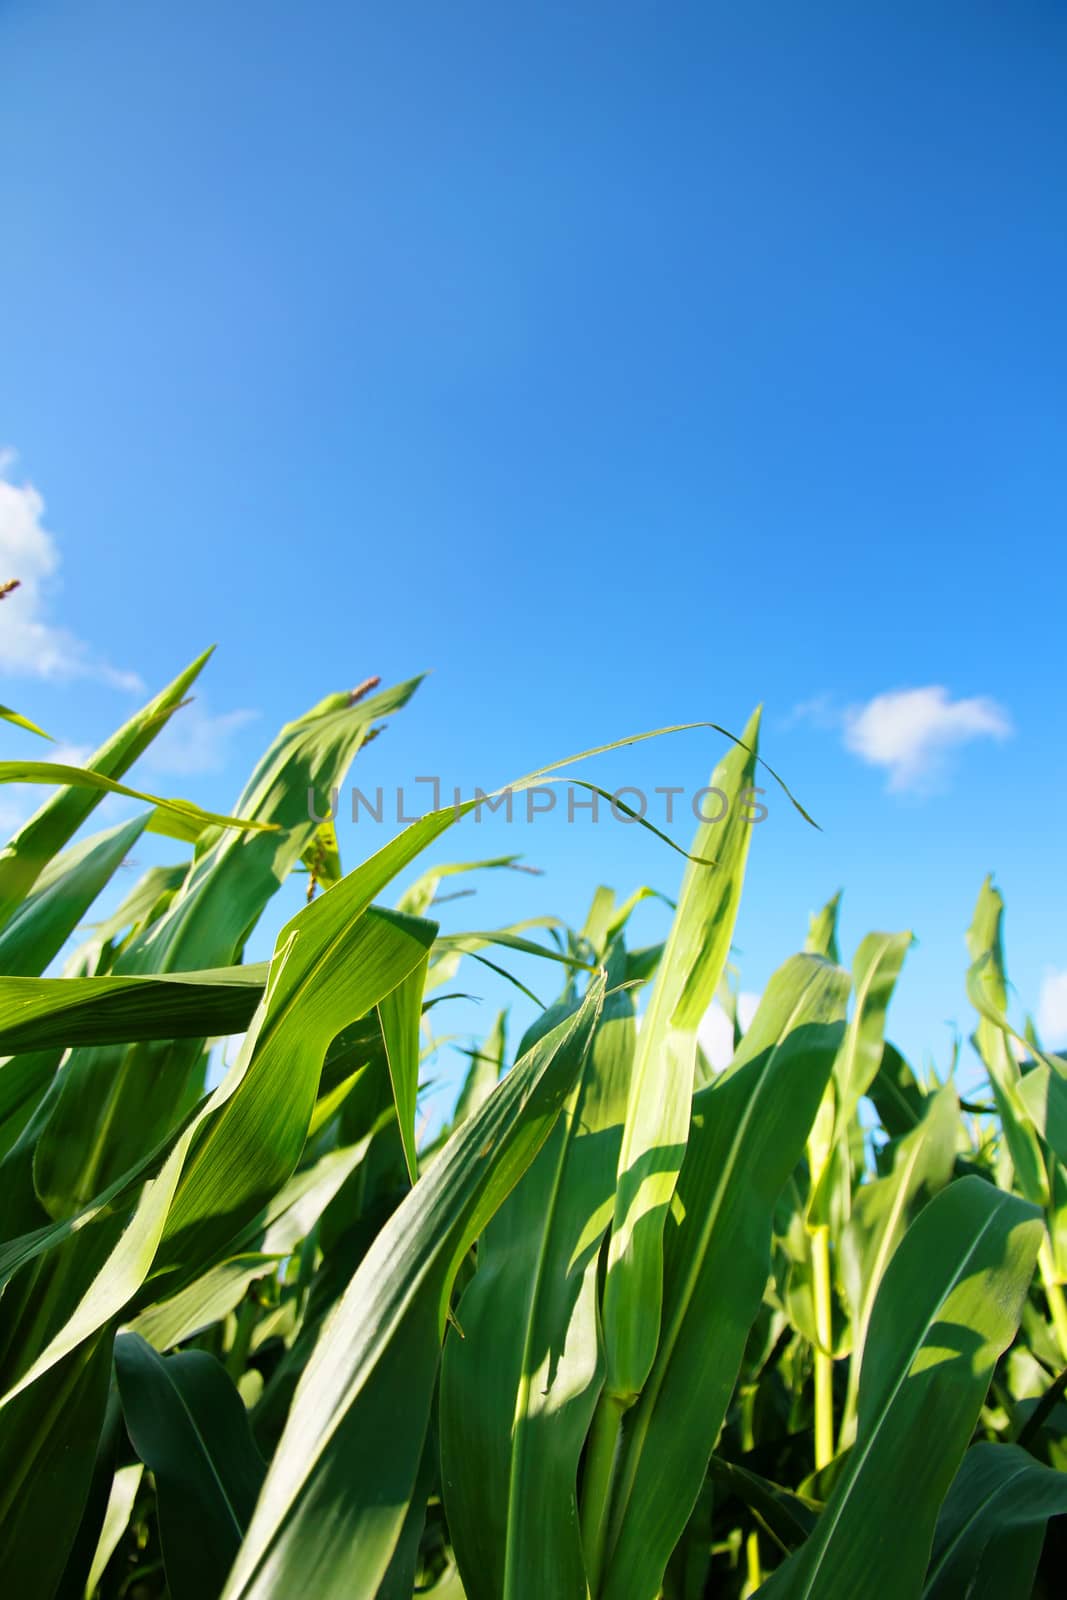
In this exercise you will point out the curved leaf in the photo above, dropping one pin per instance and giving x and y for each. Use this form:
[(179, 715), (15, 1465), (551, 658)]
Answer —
[(36, 1013), (338, 1488), (999, 1490), (62, 814), (20, 721), (189, 1426), (519, 1386), (748, 1132), (661, 1087), (948, 1306), (38, 928)]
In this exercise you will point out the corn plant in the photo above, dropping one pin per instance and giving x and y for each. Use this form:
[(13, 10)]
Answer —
[(625, 1326)]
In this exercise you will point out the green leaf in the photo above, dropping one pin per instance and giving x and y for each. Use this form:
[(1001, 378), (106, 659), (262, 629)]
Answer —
[(898, 1097), (518, 1388), (124, 1487), (418, 899), (36, 1013), (337, 962), (38, 928), (330, 968), (295, 1208), (72, 1585), (62, 814), (338, 1488), (1009, 1565), (322, 858), (203, 1302), (22, 722), (922, 1164), (179, 819), (789, 1517), (189, 1426), (948, 1306), (48, 1442), (875, 970), (1043, 1094), (747, 1135), (145, 903), (661, 1087), (393, 857), (987, 987), (822, 931), (999, 1490), (24, 1080), (400, 1014), (204, 926), (468, 943), (487, 1063)]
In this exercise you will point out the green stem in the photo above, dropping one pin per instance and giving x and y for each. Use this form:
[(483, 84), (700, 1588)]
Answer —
[(824, 1362), (597, 1485), (754, 1570), (1057, 1303), (237, 1356), (1042, 1411)]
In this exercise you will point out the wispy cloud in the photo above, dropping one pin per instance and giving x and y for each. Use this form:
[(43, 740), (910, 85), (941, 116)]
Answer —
[(1052, 1009), (195, 741), (30, 643), (910, 733), (820, 712)]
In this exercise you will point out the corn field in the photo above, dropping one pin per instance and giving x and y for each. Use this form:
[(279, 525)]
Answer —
[(624, 1327)]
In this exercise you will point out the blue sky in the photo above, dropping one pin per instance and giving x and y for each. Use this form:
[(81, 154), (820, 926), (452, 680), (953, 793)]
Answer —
[(624, 364)]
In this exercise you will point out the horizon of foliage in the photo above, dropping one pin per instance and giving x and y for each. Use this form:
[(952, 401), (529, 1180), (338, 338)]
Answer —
[(624, 1327)]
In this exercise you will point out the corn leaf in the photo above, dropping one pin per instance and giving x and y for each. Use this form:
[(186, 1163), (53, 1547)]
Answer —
[(987, 986), (189, 1427), (38, 928), (922, 1164), (48, 1442), (948, 1306), (999, 1490), (179, 819), (244, 1142), (748, 1132), (520, 1384), (661, 1087), (206, 1300), (62, 814), (38, 1013), (400, 1014), (355, 1432), (7, 715), (204, 926), (119, 1509), (822, 931)]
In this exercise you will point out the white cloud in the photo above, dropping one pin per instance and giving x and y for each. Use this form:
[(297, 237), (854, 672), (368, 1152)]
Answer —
[(68, 755), (194, 741), (820, 711), (716, 1034), (910, 731), (1052, 1009), (30, 644)]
